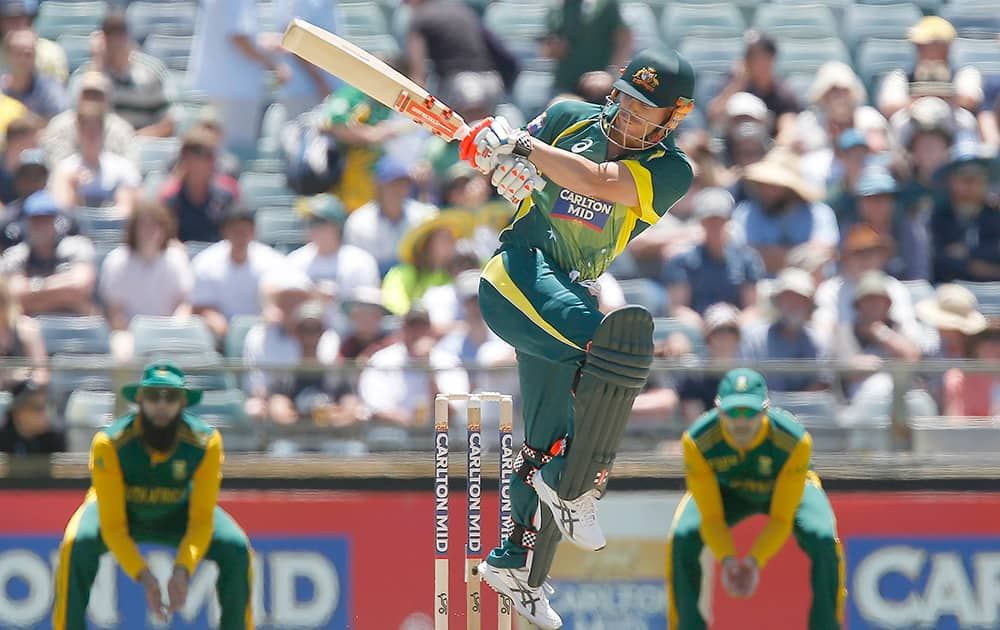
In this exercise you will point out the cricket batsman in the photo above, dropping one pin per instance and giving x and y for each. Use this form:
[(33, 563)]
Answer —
[(746, 457), (155, 478), (610, 172)]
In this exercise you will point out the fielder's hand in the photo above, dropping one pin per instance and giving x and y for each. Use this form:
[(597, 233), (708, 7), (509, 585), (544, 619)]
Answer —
[(154, 599), (177, 589), (515, 178), (740, 577)]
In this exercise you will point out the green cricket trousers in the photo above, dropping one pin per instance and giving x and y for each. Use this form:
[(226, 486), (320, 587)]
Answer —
[(82, 548), (815, 531), (534, 306)]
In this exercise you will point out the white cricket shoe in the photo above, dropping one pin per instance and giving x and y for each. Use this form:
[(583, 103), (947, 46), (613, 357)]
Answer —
[(531, 603), (576, 519)]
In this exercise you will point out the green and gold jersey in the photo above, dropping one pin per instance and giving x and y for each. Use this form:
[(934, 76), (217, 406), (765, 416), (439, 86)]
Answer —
[(140, 491), (350, 106), (584, 234)]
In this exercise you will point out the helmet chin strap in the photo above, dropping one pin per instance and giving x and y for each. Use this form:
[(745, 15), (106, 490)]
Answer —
[(649, 140)]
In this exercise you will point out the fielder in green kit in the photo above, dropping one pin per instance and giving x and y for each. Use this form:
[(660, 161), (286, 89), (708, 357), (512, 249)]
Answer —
[(746, 457), (609, 173), (155, 478)]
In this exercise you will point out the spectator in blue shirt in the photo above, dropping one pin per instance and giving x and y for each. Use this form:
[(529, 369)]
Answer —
[(40, 94), (966, 225), (789, 336), (716, 270), (783, 212)]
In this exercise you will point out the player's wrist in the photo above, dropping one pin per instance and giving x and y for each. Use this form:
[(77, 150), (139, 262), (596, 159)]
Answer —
[(523, 145)]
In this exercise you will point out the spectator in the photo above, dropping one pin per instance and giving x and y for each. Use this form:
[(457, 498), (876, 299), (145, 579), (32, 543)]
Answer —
[(61, 137), (472, 334), (50, 58), (975, 393), (927, 135), (22, 134), (292, 331), (747, 143), (31, 176), (325, 259), (307, 84), (139, 81), (789, 336), (49, 272), (876, 206), (783, 212), (228, 65), (397, 386), (966, 225), (451, 35), (227, 274), (954, 317), (149, 274), (94, 177), (836, 98), (584, 37), (756, 75), (368, 333), (379, 225), (839, 171), (872, 336), (20, 337), (425, 253), (862, 250), (932, 36), (715, 270), (43, 96), (196, 192), (696, 390), (29, 429)]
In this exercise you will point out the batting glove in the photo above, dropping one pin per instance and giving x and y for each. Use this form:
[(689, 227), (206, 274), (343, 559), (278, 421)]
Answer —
[(515, 178)]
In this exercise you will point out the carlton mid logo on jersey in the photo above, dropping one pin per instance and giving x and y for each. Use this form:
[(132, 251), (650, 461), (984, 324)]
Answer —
[(587, 211)]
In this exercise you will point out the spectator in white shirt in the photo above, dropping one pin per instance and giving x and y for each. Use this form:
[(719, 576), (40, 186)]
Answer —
[(148, 275), (379, 225), (401, 381), (227, 274), (93, 176)]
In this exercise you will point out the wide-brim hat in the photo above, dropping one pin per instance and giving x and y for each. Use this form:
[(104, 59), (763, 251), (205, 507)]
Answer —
[(968, 153), (165, 375), (461, 223), (780, 168), (953, 307)]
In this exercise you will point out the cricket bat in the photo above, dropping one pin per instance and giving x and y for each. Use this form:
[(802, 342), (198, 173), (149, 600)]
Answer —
[(372, 76)]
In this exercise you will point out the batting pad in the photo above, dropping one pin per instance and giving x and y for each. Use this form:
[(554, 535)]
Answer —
[(613, 374), (546, 544)]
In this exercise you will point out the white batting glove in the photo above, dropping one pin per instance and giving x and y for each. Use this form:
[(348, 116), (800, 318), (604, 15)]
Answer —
[(493, 141), (515, 178)]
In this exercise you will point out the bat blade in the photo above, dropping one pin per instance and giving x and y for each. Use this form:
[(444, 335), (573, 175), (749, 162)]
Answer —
[(372, 76)]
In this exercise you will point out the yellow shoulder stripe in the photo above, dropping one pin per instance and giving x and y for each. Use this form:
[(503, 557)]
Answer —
[(644, 187), (574, 127)]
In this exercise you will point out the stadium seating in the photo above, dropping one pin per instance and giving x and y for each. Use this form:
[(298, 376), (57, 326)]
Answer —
[(173, 50), (978, 19), (797, 56), (281, 228), (74, 334), (984, 54), (800, 21), (201, 370), (887, 21), (647, 293), (77, 49), (194, 248), (360, 19), (642, 21), (878, 57), (531, 90), (170, 335), (265, 189), (707, 20), (711, 54), (936, 434), (145, 18), (224, 410), (663, 327), (239, 326), (87, 411), (60, 18), (817, 411), (156, 153), (71, 372), (102, 224), (519, 25), (988, 295), (919, 290)]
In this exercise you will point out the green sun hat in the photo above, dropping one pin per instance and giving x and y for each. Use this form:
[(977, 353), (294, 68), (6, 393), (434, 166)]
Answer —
[(742, 388), (658, 77), (166, 375)]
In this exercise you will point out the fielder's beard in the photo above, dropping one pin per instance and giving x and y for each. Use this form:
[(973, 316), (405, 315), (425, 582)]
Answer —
[(160, 438)]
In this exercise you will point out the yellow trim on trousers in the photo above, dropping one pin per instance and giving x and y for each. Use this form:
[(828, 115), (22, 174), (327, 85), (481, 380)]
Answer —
[(672, 616), (62, 572)]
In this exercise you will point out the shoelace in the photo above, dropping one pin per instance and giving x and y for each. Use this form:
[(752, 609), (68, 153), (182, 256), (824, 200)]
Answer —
[(586, 508)]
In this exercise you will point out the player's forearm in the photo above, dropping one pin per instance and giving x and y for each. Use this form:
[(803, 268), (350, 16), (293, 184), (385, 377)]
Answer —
[(704, 489), (109, 488), (610, 181), (770, 540), (201, 509), (788, 489)]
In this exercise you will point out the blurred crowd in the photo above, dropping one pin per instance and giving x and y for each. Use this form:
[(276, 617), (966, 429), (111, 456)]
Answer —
[(241, 203)]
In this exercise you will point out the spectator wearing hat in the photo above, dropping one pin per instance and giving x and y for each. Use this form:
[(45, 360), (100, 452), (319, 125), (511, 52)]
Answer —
[(61, 137), (400, 382), (783, 212), (747, 143), (22, 134), (197, 193), (838, 170), (875, 205), (367, 331), (292, 331), (29, 428), (953, 319), (926, 136), (139, 81), (975, 394), (31, 176), (50, 58), (94, 176), (715, 270), (325, 258), (425, 254), (378, 226), (50, 272), (835, 97), (862, 250), (965, 226), (871, 336), (696, 390), (149, 274), (20, 337), (789, 336), (43, 96), (932, 74), (756, 75), (227, 274)]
